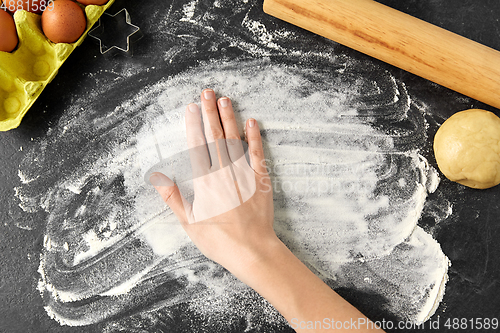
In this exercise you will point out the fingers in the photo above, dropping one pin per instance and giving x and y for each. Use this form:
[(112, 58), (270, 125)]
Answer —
[(172, 196), (255, 147), (198, 153), (213, 130), (228, 120), (212, 125), (231, 132), (194, 130), (222, 135)]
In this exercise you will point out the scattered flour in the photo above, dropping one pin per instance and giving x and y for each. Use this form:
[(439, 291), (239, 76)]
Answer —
[(348, 196)]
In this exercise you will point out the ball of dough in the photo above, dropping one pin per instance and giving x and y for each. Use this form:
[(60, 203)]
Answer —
[(467, 148)]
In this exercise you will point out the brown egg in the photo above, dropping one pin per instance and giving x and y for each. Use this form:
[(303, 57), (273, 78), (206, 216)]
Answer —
[(34, 6), (92, 2), (8, 33), (64, 23)]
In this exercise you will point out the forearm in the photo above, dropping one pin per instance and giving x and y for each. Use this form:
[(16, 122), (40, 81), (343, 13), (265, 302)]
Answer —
[(298, 294)]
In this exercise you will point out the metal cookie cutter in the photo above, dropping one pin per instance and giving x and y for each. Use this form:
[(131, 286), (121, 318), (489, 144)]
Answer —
[(116, 33)]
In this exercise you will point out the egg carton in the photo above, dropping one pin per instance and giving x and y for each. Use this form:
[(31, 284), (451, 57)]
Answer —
[(26, 71)]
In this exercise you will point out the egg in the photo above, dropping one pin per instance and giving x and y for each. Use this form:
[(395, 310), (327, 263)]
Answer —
[(8, 34), (65, 23), (34, 6), (92, 2)]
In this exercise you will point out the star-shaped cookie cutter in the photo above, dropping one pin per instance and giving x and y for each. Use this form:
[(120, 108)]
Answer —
[(116, 33)]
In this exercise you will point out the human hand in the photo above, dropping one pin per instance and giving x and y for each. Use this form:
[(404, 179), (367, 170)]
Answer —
[(231, 218)]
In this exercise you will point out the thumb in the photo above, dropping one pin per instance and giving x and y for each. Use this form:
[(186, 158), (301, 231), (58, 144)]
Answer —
[(171, 195)]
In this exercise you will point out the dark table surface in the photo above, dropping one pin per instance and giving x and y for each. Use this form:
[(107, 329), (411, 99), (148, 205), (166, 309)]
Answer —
[(469, 237)]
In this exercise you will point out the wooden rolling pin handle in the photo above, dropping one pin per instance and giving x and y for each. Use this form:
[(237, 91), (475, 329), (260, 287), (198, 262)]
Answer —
[(401, 40)]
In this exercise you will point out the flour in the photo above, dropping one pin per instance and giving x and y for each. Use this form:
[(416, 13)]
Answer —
[(23, 177), (188, 10), (260, 31), (348, 196)]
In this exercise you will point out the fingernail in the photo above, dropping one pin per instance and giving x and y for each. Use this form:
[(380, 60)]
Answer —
[(223, 102), (208, 94), (157, 179), (251, 122), (193, 108)]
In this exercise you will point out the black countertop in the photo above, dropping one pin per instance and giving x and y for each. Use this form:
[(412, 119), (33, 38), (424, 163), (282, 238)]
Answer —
[(469, 236)]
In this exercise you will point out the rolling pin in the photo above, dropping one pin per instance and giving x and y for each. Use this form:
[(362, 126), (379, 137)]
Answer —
[(401, 40)]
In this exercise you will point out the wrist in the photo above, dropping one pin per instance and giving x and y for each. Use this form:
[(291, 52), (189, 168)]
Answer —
[(267, 267), (254, 260)]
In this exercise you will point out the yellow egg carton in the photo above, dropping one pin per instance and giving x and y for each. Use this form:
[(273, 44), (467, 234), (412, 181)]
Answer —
[(26, 71)]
